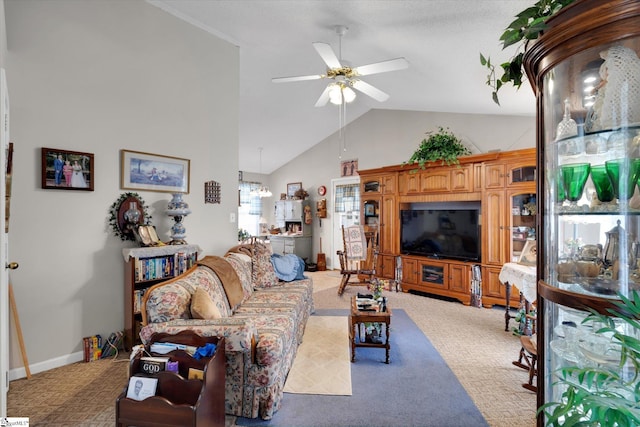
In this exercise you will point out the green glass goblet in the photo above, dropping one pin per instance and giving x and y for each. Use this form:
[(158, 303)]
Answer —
[(602, 183), (623, 174), (574, 177)]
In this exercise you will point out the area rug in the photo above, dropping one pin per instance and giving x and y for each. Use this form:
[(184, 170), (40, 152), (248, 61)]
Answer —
[(416, 388), (322, 364)]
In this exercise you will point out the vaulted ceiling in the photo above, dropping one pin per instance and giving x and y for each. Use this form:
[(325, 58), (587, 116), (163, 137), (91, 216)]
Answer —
[(441, 39)]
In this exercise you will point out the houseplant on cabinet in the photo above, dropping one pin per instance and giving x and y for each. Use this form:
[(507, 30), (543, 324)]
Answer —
[(439, 146)]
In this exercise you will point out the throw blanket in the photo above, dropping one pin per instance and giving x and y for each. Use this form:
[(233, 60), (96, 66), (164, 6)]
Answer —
[(228, 277), (288, 267), (355, 242)]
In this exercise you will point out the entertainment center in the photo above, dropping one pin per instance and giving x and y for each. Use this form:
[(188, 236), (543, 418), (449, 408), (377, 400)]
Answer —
[(440, 221)]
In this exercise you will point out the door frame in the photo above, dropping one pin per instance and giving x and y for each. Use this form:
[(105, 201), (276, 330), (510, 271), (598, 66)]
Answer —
[(4, 246), (336, 244)]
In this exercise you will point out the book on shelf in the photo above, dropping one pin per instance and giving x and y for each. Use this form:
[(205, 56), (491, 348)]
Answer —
[(153, 365)]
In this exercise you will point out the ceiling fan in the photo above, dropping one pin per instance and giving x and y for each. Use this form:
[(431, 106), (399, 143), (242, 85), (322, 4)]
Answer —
[(344, 76)]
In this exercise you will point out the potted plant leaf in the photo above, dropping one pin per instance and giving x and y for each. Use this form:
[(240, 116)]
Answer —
[(528, 25), (441, 146)]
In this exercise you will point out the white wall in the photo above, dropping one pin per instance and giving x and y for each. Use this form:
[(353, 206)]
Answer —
[(97, 77), (386, 137)]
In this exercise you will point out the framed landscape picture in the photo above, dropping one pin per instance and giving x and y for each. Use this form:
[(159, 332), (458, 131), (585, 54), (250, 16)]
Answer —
[(67, 170), (153, 172)]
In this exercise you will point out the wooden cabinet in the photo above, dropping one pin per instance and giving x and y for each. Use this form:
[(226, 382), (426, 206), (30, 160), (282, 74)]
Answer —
[(179, 401), (458, 178), (386, 266), (384, 183), (409, 271), (441, 277), (509, 186), (144, 267)]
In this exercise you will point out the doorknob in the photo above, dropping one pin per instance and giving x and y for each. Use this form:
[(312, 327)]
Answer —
[(12, 265)]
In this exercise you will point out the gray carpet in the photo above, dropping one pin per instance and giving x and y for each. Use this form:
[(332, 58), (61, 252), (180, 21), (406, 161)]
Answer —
[(424, 391)]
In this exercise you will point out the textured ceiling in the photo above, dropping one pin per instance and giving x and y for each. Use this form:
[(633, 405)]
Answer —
[(441, 40)]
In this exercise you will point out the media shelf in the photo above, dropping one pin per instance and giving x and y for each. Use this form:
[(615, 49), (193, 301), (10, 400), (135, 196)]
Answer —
[(179, 401), (145, 267)]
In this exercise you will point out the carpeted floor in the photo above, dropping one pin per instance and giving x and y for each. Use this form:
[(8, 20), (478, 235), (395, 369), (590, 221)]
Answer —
[(471, 341), (416, 389)]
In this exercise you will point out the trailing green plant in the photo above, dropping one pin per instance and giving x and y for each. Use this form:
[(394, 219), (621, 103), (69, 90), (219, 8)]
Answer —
[(603, 395), (439, 146), (528, 25)]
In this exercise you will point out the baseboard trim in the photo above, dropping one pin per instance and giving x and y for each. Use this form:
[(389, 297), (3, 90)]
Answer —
[(18, 373)]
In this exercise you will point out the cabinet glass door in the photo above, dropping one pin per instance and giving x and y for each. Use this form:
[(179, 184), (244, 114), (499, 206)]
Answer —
[(591, 221), (523, 222)]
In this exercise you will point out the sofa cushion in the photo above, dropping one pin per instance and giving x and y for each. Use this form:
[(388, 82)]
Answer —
[(169, 302), (205, 278), (203, 307), (264, 275), (241, 263), (228, 277)]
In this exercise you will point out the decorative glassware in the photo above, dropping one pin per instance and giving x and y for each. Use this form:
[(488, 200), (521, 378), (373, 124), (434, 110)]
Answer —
[(178, 209), (567, 127), (623, 174), (602, 183), (574, 177)]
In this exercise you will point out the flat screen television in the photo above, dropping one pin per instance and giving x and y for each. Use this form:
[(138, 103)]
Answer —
[(441, 233)]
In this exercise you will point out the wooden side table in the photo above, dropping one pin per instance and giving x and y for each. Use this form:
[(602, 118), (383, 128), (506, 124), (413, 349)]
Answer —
[(356, 317)]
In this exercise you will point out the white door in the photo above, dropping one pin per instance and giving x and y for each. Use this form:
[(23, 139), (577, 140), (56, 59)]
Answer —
[(4, 247), (350, 216)]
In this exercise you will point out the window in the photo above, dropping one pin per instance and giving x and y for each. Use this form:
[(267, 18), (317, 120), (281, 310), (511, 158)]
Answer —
[(347, 198), (250, 209)]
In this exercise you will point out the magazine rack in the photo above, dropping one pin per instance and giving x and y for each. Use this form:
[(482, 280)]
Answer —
[(178, 400)]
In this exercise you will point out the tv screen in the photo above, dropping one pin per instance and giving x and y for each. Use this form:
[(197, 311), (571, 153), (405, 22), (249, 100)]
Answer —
[(441, 233)]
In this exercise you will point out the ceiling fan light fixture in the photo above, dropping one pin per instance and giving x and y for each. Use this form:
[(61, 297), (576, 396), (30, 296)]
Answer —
[(338, 91)]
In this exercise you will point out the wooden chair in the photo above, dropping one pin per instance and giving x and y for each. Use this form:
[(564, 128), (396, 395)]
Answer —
[(528, 356), (362, 268)]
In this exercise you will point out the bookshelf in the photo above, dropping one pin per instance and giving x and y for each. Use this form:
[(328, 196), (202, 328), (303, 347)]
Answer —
[(144, 267), (179, 401)]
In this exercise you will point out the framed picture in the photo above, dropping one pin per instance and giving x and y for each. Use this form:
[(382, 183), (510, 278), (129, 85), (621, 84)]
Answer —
[(153, 172), (369, 209), (349, 168), (67, 170), (529, 255), (292, 188)]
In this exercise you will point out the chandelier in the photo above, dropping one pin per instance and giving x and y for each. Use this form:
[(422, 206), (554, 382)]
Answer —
[(262, 191)]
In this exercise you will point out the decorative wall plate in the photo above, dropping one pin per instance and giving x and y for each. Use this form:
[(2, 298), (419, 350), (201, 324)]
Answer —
[(322, 190)]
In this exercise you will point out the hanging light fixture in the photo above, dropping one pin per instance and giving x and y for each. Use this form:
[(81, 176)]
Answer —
[(263, 191), (339, 91)]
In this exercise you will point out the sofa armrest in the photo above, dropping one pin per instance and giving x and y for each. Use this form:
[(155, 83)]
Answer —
[(240, 333)]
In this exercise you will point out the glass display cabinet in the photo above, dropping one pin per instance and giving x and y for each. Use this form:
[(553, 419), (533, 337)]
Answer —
[(585, 72)]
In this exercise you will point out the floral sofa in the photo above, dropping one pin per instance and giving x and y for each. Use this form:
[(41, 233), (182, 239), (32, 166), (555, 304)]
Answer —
[(261, 318)]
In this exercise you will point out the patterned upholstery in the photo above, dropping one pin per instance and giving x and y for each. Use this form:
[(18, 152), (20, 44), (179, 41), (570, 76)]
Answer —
[(261, 336)]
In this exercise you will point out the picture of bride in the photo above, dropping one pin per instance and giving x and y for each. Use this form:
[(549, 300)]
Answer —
[(77, 178)]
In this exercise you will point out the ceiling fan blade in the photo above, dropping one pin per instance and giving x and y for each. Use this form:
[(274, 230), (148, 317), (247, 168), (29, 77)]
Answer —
[(327, 54), (382, 67), (367, 89), (297, 78), (324, 98)]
